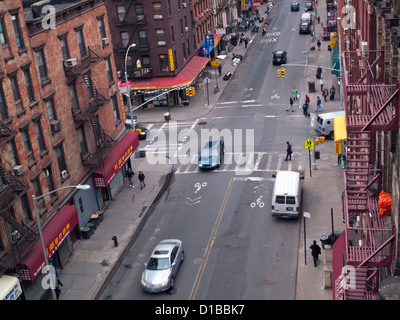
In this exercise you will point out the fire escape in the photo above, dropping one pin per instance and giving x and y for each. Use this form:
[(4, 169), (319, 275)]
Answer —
[(21, 235), (75, 69), (370, 106)]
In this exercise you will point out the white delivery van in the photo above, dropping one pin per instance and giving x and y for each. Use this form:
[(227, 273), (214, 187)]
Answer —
[(286, 196), (305, 18), (324, 123)]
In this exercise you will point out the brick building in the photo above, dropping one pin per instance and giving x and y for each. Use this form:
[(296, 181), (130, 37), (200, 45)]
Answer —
[(62, 125)]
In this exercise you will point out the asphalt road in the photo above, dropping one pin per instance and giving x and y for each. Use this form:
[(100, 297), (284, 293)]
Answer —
[(234, 249)]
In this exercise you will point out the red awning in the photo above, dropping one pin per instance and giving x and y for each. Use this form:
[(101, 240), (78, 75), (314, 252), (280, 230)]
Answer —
[(115, 160), (54, 235), (185, 77)]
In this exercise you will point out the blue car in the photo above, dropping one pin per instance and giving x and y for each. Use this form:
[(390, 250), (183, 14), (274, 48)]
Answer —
[(212, 155)]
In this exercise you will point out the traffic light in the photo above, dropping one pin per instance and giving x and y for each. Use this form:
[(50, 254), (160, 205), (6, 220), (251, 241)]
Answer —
[(187, 91), (280, 73), (190, 91), (283, 72)]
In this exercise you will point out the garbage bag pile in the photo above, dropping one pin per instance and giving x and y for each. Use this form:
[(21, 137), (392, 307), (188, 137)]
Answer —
[(385, 204)]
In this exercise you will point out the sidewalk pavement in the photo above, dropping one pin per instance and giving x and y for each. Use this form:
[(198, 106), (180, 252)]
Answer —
[(93, 260)]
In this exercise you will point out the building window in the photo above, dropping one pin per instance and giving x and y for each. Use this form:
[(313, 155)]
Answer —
[(25, 207), (3, 33), (28, 145), (124, 39), (50, 182), (17, 30), (102, 28), (82, 140), (109, 71), (139, 12), (169, 7), (64, 48), (39, 135), (81, 43), (15, 89), (3, 106), (74, 98), (12, 150), (37, 188), (29, 86), (121, 13), (42, 64), (157, 10), (60, 158), (143, 37), (164, 62), (146, 61), (117, 117), (51, 110), (172, 34)]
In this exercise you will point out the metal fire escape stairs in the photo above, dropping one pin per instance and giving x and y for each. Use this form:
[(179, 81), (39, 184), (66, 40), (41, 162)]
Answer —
[(370, 106)]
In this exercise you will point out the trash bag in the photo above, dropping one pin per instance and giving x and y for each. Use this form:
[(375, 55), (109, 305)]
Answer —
[(385, 204)]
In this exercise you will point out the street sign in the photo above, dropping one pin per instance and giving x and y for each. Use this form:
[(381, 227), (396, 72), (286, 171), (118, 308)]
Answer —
[(306, 215), (309, 144)]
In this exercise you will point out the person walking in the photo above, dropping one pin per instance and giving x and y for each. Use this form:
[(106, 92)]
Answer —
[(315, 252), (319, 45), (294, 94), (307, 99), (288, 151), (319, 72), (325, 93), (321, 83), (141, 180), (319, 105), (129, 175), (332, 92), (220, 69), (246, 41), (290, 104)]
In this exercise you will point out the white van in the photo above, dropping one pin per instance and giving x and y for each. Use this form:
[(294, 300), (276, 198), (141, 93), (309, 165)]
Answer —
[(286, 197), (305, 18), (324, 124)]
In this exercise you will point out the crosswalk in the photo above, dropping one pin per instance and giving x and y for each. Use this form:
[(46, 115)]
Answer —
[(187, 162)]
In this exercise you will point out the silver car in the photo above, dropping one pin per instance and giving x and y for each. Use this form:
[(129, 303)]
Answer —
[(163, 265)]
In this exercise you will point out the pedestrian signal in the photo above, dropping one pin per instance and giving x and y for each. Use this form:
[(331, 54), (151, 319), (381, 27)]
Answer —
[(283, 72), (280, 73)]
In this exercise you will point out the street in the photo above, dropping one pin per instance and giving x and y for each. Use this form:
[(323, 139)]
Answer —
[(234, 248)]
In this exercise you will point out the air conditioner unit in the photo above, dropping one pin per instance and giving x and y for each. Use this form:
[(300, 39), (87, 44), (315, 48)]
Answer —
[(186, 29), (55, 125), (18, 170), (64, 174), (364, 47), (71, 62), (104, 41), (184, 4)]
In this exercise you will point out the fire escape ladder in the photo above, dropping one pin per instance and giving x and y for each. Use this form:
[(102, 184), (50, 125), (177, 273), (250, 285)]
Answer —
[(101, 137), (12, 186)]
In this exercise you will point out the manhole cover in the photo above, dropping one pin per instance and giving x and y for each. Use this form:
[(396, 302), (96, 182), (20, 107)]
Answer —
[(202, 123)]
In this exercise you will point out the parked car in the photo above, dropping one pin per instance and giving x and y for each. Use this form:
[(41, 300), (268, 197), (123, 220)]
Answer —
[(163, 266), (279, 57), (128, 122), (295, 6), (212, 155), (304, 28), (308, 7)]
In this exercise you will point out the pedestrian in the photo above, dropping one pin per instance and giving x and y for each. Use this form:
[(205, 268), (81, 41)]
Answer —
[(305, 109), (318, 19), (307, 99), (129, 175), (319, 45), (315, 252), (319, 72), (332, 92), (329, 48), (288, 151), (220, 69), (325, 93), (141, 180), (294, 94), (290, 104), (319, 105), (321, 83), (339, 159)]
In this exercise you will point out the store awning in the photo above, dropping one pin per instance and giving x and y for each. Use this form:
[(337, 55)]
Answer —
[(339, 128), (185, 77), (54, 234), (10, 288), (105, 172)]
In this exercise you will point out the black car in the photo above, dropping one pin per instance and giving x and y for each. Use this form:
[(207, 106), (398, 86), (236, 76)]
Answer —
[(279, 57), (308, 7), (295, 6), (304, 28)]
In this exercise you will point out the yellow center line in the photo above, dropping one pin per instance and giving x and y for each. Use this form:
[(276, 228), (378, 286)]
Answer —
[(210, 243)]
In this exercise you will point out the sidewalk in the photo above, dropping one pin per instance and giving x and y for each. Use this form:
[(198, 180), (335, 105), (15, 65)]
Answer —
[(93, 260)]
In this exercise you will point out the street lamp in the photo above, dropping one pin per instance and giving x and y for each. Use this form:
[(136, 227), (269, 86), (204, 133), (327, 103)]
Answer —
[(34, 199), (128, 87)]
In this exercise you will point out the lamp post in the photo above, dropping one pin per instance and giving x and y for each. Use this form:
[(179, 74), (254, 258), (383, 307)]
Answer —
[(128, 87), (34, 199)]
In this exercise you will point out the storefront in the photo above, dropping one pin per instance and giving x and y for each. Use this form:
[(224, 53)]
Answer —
[(109, 176)]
